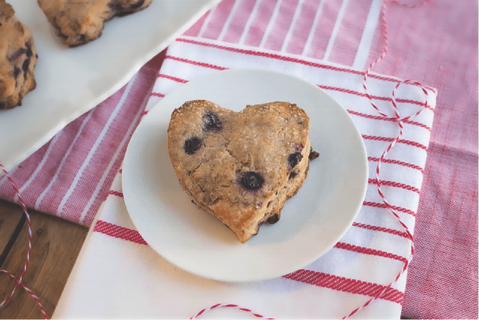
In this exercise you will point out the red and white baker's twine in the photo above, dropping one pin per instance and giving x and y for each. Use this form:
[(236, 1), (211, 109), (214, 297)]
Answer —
[(19, 280), (235, 306), (399, 120)]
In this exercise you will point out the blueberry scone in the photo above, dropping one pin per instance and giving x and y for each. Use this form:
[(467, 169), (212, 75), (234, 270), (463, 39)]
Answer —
[(240, 166), (77, 22), (18, 57)]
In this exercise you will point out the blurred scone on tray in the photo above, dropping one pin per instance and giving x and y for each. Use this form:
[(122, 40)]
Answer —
[(77, 22), (18, 58)]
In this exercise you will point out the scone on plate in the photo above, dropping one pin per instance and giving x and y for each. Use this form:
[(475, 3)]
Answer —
[(240, 167), (18, 58), (77, 22)]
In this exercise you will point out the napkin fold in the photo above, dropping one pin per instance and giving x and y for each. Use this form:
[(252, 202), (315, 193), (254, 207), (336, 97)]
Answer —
[(118, 275)]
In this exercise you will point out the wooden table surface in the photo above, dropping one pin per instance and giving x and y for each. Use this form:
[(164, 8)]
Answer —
[(55, 248)]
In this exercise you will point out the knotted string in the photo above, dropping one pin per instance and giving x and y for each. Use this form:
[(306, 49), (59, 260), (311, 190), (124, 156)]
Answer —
[(19, 280)]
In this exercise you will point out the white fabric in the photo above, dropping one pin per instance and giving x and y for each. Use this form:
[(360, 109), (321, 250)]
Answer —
[(115, 278)]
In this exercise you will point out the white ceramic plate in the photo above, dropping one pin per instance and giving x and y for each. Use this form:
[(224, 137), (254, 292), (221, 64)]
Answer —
[(71, 81), (311, 222)]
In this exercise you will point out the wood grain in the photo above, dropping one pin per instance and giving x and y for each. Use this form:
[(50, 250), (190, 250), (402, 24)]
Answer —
[(10, 217), (56, 245)]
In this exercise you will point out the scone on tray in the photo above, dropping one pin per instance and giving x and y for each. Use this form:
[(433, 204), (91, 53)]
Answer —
[(18, 58), (78, 22), (242, 166)]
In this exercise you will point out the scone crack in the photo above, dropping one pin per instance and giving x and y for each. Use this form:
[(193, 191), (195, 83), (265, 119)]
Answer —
[(189, 173), (229, 151), (215, 201)]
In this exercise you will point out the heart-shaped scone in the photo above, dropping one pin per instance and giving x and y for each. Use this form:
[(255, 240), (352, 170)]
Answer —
[(240, 166)]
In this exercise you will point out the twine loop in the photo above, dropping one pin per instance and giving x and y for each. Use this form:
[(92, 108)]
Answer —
[(399, 120), (19, 280)]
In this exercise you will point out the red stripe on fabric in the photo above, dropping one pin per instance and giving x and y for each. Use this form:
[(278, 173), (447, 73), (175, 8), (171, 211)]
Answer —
[(115, 193), (364, 115), (382, 229), (280, 25), (37, 161), (408, 142), (303, 27), (216, 67), (196, 63), (238, 21), (161, 75), (362, 94), (83, 197), (323, 30), (280, 57), (218, 19), (195, 29), (157, 94), (369, 251), (295, 60), (401, 163), (382, 205), (305, 276), (343, 284), (260, 22), (419, 103), (395, 184), (350, 32), (118, 232), (127, 234)]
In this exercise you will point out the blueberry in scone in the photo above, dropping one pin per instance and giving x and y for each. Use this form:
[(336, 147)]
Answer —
[(18, 58), (242, 166), (77, 22)]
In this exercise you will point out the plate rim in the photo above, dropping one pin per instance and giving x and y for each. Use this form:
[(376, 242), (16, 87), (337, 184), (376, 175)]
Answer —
[(348, 225)]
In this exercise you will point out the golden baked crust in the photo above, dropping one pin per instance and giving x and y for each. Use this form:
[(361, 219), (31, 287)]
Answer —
[(240, 166), (18, 58), (77, 22)]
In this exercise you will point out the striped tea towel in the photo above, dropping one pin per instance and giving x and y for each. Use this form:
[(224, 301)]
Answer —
[(119, 275)]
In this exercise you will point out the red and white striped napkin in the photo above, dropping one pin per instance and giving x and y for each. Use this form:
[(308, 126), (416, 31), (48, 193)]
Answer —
[(118, 275)]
